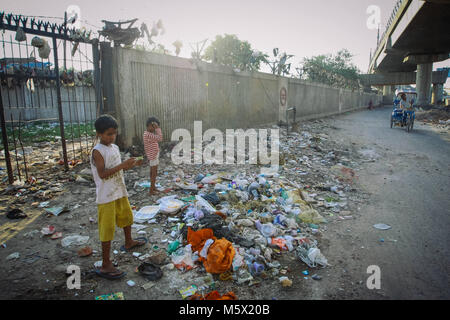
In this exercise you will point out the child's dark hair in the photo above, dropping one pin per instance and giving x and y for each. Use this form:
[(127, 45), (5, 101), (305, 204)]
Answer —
[(105, 122), (152, 119)]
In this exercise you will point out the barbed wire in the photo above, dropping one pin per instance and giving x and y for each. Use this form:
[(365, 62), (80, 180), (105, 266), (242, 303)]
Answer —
[(59, 18)]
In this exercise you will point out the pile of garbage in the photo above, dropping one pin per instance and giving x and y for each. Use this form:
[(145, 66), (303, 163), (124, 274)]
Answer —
[(439, 115), (237, 223), (236, 226)]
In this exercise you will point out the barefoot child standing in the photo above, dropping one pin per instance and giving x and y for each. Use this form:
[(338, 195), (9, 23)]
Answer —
[(152, 136), (112, 197)]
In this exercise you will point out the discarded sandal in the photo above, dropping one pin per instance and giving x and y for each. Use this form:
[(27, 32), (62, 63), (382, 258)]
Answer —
[(16, 214), (111, 275), (150, 271)]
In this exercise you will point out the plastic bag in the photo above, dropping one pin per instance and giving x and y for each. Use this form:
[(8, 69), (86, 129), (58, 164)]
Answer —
[(267, 230), (182, 258), (170, 206), (317, 257), (37, 42), (204, 251), (278, 242), (44, 51), (310, 216), (147, 213), (202, 203), (160, 200), (20, 35), (238, 261), (311, 255), (74, 240)]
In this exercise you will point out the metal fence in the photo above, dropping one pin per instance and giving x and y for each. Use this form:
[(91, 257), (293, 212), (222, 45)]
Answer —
[(44, 67)]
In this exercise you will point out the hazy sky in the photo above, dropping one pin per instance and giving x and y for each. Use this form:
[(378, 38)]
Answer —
[(300, 27)]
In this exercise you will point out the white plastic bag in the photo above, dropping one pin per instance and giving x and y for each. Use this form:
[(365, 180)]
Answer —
[(147, 213), (202, 203), (171, 206), (74, 240), (204, 251), (317, 257), (183, 256)]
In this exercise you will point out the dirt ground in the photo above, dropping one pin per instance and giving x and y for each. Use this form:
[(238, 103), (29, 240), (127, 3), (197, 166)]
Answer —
[(401, 179)]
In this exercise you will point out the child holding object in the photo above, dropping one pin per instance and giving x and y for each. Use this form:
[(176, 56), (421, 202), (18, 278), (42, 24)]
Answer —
[(152, 136), (112, 197)]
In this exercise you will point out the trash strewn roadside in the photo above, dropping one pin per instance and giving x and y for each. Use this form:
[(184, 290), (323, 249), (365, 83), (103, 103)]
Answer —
[(219, 224)]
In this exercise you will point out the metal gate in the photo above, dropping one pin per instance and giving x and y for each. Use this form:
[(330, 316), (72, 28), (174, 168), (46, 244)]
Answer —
[(49, 99)]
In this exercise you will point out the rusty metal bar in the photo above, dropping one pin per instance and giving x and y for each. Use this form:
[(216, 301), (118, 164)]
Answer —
[(5, 141), (15, 147), (60, 111), (21, 145)]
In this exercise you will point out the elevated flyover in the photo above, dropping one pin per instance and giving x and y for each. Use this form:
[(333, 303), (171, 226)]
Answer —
[(417, 35)]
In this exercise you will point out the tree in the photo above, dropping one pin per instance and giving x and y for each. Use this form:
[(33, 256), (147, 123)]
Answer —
[(279, 65), (334, 70), (228, 50)]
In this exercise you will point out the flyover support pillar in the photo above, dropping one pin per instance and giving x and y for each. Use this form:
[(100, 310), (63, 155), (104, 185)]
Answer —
[(423, 83), (438, 93), (387, 94)]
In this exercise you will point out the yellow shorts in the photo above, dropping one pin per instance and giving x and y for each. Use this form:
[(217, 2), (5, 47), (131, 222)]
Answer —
[(113, 213)]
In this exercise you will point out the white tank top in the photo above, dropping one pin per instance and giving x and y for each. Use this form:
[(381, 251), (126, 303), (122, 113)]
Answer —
[(113, 187)]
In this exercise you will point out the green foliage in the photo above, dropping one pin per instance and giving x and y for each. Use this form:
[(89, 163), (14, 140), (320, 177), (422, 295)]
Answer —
[(43, 131), (228, 50), (279, 65), (334, 70)]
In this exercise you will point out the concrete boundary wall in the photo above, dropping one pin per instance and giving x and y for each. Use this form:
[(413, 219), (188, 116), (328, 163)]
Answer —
[(180, 91)]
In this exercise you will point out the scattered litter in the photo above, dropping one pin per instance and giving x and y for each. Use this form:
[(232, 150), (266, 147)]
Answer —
[(112, 296), (146, 213), (189, 291), (285, 282), (150, 271), (56, 210), (56, 235), (14, 255), (84, 252), (16, 214), (382, 226), (48, 230), (74, 240)]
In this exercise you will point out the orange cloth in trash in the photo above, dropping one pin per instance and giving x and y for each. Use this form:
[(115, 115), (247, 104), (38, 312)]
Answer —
[(198, 238), (220, 256), (214, 295)]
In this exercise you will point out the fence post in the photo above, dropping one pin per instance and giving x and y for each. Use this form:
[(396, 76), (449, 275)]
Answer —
[(60, 111), (5, 141), (97, 78)]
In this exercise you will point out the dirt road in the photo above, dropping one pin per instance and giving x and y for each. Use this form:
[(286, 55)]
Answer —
[(408, 189)]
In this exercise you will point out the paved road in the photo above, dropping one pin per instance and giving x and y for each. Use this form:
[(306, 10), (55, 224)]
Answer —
[(408, 189)]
